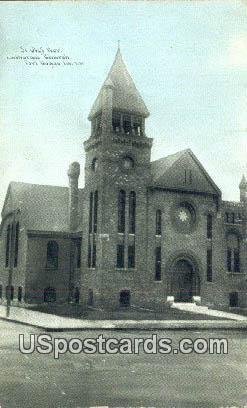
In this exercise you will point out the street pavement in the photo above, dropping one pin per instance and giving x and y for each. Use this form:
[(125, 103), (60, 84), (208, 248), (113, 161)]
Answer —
[(144, 380)]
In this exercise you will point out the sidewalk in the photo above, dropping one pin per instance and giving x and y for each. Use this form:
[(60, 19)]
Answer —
[(50, 322)]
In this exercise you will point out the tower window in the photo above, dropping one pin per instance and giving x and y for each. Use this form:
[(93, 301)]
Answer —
[(209, 266), (77, 295), (158, 263), (90, 297), (94, 256), (127, 124), (120, 256), (89, 259), (137, 125), (116, 122), (1, 292), (132, 212), (209, 226), (236, 260), (17, 231), (158, 222), (94, 164), (52, 255), (121, 210), (131, 256), (229, 259)]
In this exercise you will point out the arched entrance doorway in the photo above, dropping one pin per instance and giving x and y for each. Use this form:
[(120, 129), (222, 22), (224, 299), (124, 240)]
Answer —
[(185, 281)]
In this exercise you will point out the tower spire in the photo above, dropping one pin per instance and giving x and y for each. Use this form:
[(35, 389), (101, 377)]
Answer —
[(125, 96)]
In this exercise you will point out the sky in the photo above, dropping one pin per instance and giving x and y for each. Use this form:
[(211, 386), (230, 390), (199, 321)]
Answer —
[(188, 60)]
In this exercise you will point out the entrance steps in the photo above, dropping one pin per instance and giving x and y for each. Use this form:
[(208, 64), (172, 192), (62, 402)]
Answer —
[(190, 307), (193, 308)]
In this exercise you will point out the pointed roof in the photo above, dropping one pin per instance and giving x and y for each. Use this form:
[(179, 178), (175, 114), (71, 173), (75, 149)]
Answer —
[(168, 172), (243, 182), (125, 95), (43, 207)]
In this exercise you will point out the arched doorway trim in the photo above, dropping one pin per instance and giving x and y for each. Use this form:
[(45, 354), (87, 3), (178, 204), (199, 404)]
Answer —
[(183, 276)]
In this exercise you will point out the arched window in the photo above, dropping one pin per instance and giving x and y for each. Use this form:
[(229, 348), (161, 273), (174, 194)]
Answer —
[(8, 233), (95, 211), (121, 210), (52, 255), (233, 299), (1, 292), (77, 295), (158, 263), (10, 292), (209, 226), (77, 252), (158, 223), (233, 253), (17, 231), (19, 296), (132, 212), (131, 256), (91, 213), (49, 295), (90, 297)]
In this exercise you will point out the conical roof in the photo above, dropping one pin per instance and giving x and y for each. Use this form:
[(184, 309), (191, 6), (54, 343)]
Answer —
[(125, 95), (243, 183)]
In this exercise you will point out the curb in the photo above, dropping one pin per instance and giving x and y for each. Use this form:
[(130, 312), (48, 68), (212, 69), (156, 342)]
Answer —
[(141, 325)]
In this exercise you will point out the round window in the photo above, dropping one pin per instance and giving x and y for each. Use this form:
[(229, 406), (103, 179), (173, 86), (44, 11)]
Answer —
[(184, 217)]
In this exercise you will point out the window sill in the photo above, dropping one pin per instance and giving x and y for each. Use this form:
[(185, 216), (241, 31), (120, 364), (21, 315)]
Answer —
[(50, 268), (157, 235), (236, 273), (158, 281), (125, 269)]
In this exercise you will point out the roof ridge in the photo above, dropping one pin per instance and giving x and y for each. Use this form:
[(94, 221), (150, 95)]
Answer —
[(170, 155)]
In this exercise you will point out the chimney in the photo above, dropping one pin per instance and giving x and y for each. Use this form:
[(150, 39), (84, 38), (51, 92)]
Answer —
[(73, 173), (243, 189)]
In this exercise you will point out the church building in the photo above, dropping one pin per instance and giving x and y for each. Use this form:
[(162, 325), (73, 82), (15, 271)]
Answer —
[(140, 232)]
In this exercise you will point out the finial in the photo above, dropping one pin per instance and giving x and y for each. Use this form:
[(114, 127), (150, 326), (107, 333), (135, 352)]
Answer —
[(118, 45)]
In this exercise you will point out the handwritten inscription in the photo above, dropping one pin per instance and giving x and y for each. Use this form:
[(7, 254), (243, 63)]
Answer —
[(43, 56)]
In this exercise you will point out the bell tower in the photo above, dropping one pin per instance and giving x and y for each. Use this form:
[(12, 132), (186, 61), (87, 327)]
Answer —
[(117, 173)]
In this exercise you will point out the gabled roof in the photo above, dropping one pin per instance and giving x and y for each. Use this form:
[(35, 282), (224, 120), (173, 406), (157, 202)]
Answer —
[(125, 95), (159, 167), (42, 207), (168, 172)]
